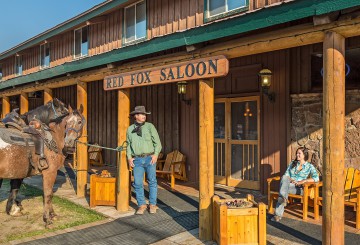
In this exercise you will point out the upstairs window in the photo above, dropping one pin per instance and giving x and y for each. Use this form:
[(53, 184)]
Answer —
[(221, 8), (135, 22), (44, 55), (18, 65), (81, 45)]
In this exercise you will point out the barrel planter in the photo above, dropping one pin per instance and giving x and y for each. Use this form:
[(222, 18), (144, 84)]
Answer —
[(239, 225)]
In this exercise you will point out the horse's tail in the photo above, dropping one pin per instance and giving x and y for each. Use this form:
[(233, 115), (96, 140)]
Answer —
[(1, 182)]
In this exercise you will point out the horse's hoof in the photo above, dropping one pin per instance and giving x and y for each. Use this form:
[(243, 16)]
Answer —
[(49, 225), (15, 211), (54, 217)]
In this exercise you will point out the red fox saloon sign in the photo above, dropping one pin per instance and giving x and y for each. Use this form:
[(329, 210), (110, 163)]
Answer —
[(195, 69)]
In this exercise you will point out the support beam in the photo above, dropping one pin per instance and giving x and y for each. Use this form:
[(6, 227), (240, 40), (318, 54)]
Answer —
[(123, 191), (48, 95), (24, 103), (206, 157), (5, 106), (82, 156), (334, 138)]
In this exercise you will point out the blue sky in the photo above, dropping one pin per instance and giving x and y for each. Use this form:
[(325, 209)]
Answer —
[(23, 19)]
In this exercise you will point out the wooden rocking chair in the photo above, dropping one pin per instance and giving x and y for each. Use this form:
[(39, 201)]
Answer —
[(174, 166), (95, 156)]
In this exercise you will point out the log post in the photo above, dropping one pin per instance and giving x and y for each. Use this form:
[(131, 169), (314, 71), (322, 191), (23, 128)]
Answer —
[(81, 154), (48, 95), (206, 157), (334, 138), (123, 191), (24, 103), (5, 106)]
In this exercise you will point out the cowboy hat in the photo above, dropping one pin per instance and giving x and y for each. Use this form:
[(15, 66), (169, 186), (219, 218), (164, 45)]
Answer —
[(140, 110)]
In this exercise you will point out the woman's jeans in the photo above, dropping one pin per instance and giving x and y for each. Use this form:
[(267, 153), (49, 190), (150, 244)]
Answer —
[(286, 188), (142, 165)]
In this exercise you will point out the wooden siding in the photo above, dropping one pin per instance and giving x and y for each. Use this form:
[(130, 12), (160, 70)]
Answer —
[(8, 68), (102, 119), (61, 49), (162, 102), (67, 95), (31, 60), (189, 130), (106, 36), (163, 17), (35, 102)]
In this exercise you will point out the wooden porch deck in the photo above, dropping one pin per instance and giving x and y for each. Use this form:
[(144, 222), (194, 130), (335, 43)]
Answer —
[(293, 211)]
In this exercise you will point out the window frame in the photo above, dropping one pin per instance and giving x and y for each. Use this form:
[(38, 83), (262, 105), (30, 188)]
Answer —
[(124, 43), (16, 66), (45, 66), (75, 57), (208, 18)]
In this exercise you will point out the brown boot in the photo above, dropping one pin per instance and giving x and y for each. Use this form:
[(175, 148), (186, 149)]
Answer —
[(141, 209), (152, 209)]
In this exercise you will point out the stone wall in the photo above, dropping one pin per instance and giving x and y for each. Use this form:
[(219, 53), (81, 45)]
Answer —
[(306, 127)]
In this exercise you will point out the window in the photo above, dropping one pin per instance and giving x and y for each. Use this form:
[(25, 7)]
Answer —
[(44, 55), (1, 74), (81, 45), (220, 8), (18, 65), (135, 22), (352, 70)]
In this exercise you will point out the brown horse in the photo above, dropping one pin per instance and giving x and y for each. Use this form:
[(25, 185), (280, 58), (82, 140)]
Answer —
[(14, 160)]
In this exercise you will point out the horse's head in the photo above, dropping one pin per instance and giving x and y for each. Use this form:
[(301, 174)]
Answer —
[(58, 108), (75, 122)]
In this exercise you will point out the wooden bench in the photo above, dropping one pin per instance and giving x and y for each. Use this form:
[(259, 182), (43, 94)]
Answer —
[(351, 193), (309, 188), (174, 166)]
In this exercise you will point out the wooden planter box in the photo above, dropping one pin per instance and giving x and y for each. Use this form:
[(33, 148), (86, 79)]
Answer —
[(239, 225), (102, 191)]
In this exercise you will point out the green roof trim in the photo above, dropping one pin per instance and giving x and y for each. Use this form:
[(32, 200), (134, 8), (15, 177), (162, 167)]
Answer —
[(260, 19), (67, 25)]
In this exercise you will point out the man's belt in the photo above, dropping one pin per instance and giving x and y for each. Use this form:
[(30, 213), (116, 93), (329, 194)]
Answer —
[(144, 155)]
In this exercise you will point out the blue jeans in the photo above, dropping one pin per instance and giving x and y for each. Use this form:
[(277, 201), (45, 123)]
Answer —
[(142, 165), (286, 188)]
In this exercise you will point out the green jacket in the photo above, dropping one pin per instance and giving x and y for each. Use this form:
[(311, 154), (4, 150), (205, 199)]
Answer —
[(147, 143)]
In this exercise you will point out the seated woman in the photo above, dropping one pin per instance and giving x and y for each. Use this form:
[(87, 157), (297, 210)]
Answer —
[(295, 176)]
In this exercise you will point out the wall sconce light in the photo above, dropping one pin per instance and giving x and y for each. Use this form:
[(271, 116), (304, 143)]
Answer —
[(182, 92), (265, 82)]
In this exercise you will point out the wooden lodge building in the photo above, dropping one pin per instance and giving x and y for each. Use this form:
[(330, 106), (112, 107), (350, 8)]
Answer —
[(233, 129)]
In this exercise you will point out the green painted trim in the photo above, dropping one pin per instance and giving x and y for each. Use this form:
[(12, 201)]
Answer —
[(223, 15), (260, 19), (62, 28)]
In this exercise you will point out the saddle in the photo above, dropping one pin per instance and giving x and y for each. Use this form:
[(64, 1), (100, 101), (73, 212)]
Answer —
[(16, 132)]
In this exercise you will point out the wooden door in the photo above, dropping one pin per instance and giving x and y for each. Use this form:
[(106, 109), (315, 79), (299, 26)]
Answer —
[(237, 142)]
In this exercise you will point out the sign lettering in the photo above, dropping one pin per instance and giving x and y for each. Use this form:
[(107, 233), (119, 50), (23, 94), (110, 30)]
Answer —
[(196, 69)]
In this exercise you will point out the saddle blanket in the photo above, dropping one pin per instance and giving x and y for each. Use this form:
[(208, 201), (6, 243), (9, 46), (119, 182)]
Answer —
[(15, 137)]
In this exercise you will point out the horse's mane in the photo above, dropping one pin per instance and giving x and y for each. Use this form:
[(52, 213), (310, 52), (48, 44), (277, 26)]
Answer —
[(58, 120)]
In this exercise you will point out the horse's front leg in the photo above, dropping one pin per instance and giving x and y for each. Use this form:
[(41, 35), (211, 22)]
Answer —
[(14, 207), (49, 177)]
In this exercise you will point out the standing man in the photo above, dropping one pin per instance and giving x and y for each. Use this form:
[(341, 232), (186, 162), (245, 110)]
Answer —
[(142, 152)]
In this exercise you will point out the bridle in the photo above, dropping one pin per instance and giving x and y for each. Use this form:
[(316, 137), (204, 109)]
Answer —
[(77, 131)]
